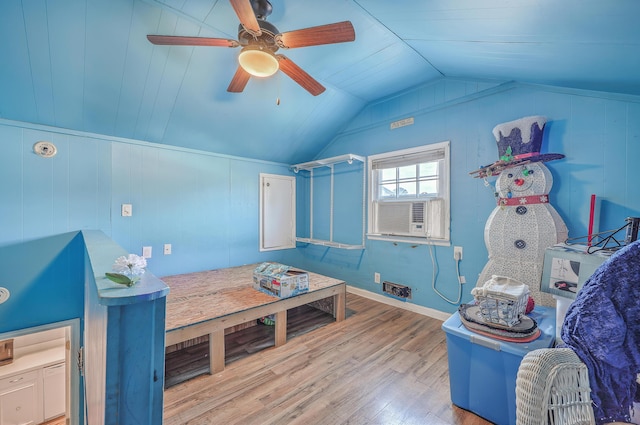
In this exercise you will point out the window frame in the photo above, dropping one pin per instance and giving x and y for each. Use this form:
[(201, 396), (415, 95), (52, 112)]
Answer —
[(444, 179)]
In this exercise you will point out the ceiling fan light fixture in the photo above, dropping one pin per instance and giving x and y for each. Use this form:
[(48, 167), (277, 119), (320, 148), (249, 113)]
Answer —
[(258, 62)]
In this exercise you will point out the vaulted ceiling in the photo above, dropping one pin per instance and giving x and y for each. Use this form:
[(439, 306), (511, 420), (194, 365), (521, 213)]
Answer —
[(87, 65)]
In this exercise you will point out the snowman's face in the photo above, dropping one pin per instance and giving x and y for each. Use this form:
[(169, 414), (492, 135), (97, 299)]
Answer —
[(524, 180)]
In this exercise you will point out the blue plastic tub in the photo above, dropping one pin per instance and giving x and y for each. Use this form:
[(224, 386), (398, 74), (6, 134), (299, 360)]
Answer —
[(483, 370)]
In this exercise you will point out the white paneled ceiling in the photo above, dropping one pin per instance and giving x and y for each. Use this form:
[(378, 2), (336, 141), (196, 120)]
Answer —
[(86, 65)]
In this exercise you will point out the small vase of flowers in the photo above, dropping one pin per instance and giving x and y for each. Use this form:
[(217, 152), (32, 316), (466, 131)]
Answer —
[(127, 270)]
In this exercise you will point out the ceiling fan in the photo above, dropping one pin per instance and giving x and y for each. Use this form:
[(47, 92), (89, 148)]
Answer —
[(260, 40)]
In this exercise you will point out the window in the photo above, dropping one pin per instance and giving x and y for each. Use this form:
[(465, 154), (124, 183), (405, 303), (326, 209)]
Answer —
[(409, 195)]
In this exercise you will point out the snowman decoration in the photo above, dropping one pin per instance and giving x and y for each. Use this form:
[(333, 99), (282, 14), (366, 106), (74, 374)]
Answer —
[(523, 223)]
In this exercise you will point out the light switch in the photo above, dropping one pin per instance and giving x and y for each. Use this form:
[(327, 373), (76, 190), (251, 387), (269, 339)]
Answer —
[(167, 249), (146, 251), (127, 210)]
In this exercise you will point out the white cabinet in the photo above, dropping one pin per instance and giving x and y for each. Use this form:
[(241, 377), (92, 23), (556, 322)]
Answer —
[(20, 399), (30, 398), (54, 390)]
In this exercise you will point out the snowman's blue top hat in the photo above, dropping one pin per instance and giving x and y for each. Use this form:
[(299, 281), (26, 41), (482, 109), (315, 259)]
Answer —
[(519, 143)]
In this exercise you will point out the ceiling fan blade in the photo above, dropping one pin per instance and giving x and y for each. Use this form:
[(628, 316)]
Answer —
[(175, 40), (239, 81), (298, 75), (247, 17), (339, 32)]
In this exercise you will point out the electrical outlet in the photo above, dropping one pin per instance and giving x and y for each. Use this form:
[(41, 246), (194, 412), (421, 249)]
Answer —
[(146, 251), (457, 253), (376, 277)]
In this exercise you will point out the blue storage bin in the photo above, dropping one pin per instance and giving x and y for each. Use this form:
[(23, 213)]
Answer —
[(482, 370)]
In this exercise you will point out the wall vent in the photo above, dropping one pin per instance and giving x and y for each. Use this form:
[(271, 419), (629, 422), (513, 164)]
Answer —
[(401, 123), (397, 290)]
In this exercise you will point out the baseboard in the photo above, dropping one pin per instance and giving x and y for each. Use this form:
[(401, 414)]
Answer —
[(425, 311)]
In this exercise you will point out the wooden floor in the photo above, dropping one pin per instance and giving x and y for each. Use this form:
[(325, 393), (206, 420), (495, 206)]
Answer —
[(382, 365), (60, 420), (194, 360)]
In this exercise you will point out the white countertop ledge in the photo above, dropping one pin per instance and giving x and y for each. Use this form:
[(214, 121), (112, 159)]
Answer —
[(23, 363)]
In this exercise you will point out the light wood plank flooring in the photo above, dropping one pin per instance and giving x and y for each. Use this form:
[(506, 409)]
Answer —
[(193, 361), (382, 365), (60, 420)]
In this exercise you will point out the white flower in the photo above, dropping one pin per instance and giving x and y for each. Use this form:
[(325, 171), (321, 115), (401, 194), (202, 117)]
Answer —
[(132, 265)]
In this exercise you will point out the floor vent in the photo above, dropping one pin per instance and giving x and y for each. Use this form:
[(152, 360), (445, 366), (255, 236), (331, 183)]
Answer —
[(397, 290)]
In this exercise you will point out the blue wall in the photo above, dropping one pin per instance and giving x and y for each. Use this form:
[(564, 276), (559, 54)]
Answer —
[(206, 205), (598, 132)]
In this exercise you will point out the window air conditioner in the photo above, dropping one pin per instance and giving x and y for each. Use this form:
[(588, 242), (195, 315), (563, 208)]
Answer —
[(410, 218)]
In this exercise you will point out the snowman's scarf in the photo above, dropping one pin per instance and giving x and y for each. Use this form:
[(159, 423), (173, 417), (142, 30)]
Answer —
[(602, 326)]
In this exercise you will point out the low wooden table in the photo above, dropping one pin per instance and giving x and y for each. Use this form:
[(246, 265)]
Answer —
[(207, 303)]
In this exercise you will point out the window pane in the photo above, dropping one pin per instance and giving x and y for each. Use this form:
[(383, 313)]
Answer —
[(429, 187), (429, 169), (388, 174), (408, 172), (387, 191), (407, 189)]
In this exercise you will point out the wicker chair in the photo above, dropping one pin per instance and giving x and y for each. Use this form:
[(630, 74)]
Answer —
[(552, 388)]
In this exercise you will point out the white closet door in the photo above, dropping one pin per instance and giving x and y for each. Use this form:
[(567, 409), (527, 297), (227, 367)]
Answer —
[(277, 212)]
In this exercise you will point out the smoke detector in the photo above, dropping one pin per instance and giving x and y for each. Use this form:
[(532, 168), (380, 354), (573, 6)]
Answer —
[(45, 149), (4, 294)]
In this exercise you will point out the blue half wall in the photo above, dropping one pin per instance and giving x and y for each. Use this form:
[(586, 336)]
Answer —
[(45, 279)]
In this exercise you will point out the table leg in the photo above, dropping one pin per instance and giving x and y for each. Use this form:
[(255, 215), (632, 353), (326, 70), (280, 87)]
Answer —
[(281, 328), (216, 351), (340, 306)]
